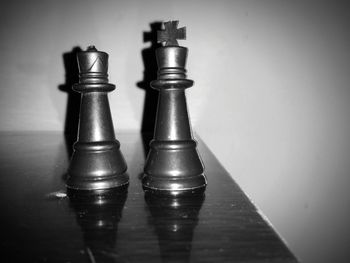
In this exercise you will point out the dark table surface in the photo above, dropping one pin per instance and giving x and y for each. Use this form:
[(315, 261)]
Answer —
[(41, 222)]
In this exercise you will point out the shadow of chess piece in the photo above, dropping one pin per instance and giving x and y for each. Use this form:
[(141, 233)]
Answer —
[(173, 165), (174, 220), (97, 162), (98, 214), (149, 74), (73, 99)]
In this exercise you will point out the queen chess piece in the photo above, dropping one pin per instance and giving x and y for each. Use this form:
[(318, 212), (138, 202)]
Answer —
[(97, 162), (173, 165)]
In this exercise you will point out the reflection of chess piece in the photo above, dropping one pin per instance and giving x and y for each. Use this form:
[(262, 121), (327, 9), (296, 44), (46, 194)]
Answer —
[(173, 164), (98, 214), (174, 219), (97, 162)]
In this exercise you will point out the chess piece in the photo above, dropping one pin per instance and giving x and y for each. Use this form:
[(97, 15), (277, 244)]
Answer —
[(173, 165), (97, 162), (174, 220)]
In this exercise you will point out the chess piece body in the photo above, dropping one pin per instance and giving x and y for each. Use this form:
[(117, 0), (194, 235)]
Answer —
[(97, 162), (173, 165)]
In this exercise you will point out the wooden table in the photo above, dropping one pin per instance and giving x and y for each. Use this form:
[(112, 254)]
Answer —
[(41, 223)]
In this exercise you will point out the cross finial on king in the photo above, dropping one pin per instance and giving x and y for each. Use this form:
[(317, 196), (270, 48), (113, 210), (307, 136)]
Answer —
[(171, 34)]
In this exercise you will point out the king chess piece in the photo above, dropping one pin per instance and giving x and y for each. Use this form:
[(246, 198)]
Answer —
[(97, 162), (173, 165)]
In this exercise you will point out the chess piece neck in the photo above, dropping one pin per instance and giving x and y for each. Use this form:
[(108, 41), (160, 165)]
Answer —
[(171, 62), (95, 121), (93, 66)]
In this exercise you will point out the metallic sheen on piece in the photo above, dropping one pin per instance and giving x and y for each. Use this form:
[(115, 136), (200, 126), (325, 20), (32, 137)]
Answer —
[(97, 162), (173, 165)]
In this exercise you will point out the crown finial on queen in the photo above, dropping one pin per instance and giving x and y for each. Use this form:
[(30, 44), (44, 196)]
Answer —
[(93, 66)]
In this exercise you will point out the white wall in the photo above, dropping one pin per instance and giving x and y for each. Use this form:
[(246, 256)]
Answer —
[(271, 94)]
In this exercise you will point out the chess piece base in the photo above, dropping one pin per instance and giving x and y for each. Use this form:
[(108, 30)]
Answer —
[(157, 190), (97, 165), (174, 169)]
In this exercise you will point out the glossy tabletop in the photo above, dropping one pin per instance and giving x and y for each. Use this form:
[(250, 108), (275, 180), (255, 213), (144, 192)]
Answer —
[(42, 222)]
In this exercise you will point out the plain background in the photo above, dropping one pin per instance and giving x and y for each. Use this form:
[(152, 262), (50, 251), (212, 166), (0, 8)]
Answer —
[(271, 94)]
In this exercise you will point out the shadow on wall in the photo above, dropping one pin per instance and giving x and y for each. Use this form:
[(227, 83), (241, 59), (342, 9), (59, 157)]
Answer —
[(73, 100), (149, 74)]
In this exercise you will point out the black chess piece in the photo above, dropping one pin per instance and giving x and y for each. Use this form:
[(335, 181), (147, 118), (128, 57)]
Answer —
[(174, 219), (97, 162), (173, 165), (98, 214)]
